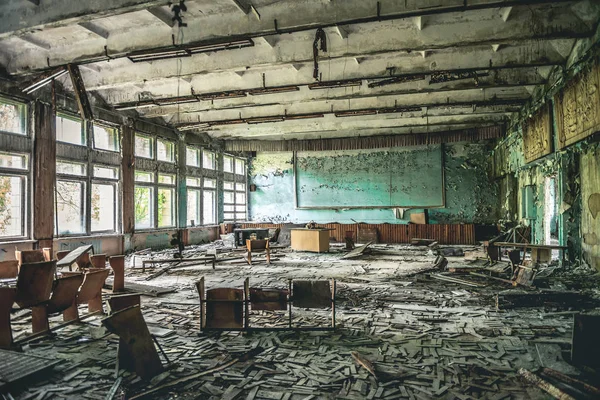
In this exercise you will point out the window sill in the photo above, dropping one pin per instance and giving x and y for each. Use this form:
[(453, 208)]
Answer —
[(80, 237), (6, 242)]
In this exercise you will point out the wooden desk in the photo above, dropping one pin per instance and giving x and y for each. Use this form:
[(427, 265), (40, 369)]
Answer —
[(316, 240), (539, 252)]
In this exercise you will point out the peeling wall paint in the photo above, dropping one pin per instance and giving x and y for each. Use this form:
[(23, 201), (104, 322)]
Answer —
[(470, 197)]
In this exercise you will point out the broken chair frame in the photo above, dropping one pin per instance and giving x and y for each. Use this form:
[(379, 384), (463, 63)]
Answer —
[(247, 301)]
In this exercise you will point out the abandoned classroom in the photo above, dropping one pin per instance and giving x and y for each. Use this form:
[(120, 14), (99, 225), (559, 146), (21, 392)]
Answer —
[(299, 199)]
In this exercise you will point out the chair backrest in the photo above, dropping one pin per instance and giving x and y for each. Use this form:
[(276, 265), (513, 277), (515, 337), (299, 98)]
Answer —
[(29, 256), (257, 244), (9, 269), (64, 292), (92, 285), (34, 283)]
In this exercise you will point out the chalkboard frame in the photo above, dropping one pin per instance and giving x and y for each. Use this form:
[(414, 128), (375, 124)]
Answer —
[(299, 207)]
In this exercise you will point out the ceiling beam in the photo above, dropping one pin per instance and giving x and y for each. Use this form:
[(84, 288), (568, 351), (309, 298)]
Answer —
[(18, 18), (95, 29), (162, 15), (306, 17), (476, 57), (35, 41)]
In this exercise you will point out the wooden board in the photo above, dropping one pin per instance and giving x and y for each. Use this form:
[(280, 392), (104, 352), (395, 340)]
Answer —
[(537, 135), (577, 108), (316, 240), (311, 294), (228, 314)]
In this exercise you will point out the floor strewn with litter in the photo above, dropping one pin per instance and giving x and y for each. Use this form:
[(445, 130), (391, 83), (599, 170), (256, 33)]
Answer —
[(425, 336)]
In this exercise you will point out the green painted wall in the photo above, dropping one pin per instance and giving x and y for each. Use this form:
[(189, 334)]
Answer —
[(470, 197)]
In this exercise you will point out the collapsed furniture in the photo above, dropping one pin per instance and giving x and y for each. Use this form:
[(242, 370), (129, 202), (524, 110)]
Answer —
[(90, 292), (136, 346), (80, 256), (229, 309)]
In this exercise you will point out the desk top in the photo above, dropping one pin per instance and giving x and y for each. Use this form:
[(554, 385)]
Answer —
[(316, 229), (74, 255), (530, 246)]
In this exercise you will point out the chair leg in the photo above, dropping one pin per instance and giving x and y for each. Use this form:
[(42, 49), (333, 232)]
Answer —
[(249, 258), (117, 263), (95, 304), (39, 319), (71, 313), (268, 256), (7, 299)]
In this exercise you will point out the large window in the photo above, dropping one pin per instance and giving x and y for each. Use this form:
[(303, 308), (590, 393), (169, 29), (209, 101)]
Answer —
[(155, 200), (192, 157), (228, 164), (105, 201), (193, 201), (70, 198), (106, 138), (144, 146), (209, 202), (87, 193), (165, 151), (240, 167), (70, 130), (13, 195), (13, 117), (208, 159)]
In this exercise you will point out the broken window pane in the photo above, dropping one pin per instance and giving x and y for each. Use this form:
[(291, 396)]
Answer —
[(106, 138), (70, 207), (144, 146), (144, 176), (13, 161), (193, 207), (69, 130), (192, 157), (208, 159), (228, 164), (70, 168), (209, 209), (144, 207), (240, 167), (166, 179), (103, 207), (12, 206), (106, 172), (166, 207), (165, 151)]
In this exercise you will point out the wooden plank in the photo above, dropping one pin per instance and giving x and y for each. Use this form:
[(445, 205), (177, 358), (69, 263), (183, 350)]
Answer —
[(44, 172), (537, 135), (83, 102), (128, 176)]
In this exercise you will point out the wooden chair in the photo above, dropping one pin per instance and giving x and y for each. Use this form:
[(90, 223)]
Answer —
[(30, 256), (64, 296), (9, 269), (257, 246), (117, 263), (90, 293)]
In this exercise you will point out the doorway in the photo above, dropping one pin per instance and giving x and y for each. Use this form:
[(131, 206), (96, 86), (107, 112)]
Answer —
[(550, 211)]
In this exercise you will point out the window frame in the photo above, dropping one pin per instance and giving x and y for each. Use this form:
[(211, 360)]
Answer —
[(155, 186), (107, 126), (170, 143), (25, 176), (114, 182), (84, 203), (71, 117), (23, 110), (214, 191), (152, 145)]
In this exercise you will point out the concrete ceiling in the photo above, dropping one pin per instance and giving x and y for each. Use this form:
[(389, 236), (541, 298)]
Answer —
[(391, 67)]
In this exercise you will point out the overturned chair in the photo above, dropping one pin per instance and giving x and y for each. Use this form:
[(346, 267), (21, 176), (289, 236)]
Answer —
[(230, 309)]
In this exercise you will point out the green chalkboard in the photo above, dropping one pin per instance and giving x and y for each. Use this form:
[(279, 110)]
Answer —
[(376, 178)]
